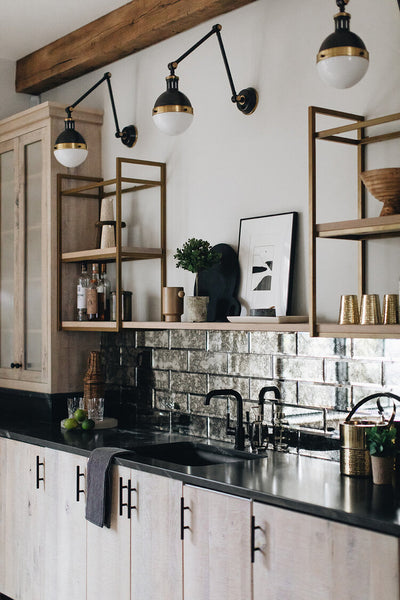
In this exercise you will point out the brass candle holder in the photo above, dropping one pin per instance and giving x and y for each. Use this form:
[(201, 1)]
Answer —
[(390, 309), (348, 311), (370, 313)]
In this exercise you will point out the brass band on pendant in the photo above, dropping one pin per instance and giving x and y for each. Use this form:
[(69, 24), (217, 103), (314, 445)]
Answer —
[(70, 145), (172, 108), (342, 51)]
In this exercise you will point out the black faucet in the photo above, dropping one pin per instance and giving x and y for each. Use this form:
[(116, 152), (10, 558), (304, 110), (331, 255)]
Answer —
[(239, 430), (261, 397)]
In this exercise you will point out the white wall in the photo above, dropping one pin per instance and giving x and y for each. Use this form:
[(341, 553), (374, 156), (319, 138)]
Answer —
[(11, 102), (228, 166)]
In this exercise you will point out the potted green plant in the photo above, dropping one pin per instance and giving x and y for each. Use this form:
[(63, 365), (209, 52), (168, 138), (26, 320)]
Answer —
[(381, 445), (195, 256)]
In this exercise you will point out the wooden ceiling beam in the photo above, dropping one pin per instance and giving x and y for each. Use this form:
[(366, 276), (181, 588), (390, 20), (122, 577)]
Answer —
[(128, 29)]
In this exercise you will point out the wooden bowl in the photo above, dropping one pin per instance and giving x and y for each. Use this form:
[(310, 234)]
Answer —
[(384, 185)]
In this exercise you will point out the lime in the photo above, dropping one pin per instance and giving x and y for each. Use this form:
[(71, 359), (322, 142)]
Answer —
[(80, 415), (70, 424), (88, 424)]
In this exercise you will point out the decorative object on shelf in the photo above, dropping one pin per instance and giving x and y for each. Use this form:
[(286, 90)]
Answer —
[(70, 148), (354, 454), (342, 60), (272, 320), (195, 256), (220, 283), (266, 253), (370, 311), (384, 185), (348, 311), (107, 223), (381, 445), (172, 304), (126, 306), (390, 309), (263, 312), (93, 381), (173, 112)]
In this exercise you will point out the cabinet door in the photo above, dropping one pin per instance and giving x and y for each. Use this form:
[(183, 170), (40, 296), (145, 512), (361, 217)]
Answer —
[(65, 525), (156, 545), (25, 522), (23, 259), (307, 558), (216, 546), (108, 549)]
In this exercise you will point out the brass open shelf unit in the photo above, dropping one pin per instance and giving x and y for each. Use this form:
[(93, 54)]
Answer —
[(93, 190), (361, 229)]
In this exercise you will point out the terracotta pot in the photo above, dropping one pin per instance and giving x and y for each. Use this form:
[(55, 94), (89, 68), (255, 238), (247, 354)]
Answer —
[(382, 469)]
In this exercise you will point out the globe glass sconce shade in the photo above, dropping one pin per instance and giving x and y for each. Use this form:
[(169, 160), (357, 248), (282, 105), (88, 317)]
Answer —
[(172, 112), (343, 59), (70, 147)]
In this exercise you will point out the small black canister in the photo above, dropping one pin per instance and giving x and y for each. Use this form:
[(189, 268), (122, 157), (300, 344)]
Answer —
[(126, 306)]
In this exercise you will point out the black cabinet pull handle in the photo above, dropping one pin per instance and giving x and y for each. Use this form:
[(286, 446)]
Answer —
[(252, 542), (38, 465), (78, 488), (128, 504), (183, 526), (16, 365)]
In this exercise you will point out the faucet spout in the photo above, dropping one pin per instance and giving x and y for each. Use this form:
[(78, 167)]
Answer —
[(261, 397), (239, 431)]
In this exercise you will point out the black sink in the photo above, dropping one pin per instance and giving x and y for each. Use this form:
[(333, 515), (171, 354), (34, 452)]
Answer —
[(192, 454)]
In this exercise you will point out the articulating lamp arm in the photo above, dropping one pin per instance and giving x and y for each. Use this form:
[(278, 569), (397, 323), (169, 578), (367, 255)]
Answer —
[(247, 99), (128, 135)]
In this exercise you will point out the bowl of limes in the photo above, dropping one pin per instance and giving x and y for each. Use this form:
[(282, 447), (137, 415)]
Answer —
[(79, 421)]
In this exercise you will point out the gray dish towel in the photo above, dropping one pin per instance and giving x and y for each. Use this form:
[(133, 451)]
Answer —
[(98, 496)]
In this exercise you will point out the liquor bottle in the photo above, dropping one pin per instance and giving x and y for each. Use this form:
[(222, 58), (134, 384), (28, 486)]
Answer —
[(92, 301), (81, 292), (106, 290)]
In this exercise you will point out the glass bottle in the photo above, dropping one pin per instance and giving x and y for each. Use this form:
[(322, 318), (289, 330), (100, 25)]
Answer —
[(81, 293), (92, 300), (106, 290)]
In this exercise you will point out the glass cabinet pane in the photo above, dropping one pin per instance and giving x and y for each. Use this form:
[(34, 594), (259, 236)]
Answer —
[(33, 256), (7, 206)]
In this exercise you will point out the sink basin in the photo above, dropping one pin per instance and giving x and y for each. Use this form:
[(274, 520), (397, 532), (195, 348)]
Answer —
[(192, 454)]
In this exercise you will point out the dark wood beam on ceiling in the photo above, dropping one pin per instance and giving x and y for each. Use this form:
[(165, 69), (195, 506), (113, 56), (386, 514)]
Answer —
[(134, 26)]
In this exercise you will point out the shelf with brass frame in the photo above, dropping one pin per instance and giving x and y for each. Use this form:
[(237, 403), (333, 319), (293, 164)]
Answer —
[(361, 229), (85, 195)]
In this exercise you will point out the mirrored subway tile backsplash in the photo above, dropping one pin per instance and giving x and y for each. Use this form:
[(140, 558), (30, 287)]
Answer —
[(162, 377)]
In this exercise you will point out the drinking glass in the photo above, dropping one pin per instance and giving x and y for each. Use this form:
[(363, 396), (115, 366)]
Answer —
[(73, 404), (96, 409)]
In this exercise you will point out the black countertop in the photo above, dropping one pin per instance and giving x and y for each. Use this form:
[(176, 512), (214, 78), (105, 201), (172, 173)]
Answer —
[(309, 485)]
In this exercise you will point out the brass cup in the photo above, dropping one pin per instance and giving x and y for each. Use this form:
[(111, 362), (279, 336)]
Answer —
[(390, 309), (348, 311), (370, 310)]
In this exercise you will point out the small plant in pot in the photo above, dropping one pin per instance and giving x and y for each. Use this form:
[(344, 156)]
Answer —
[(381, 445), (196, 255)]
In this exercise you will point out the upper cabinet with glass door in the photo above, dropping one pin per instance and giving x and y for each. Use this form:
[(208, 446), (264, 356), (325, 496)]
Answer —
[(33, 354)]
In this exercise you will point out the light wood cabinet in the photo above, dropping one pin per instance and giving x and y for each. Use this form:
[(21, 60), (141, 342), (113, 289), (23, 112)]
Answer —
[(108, 549), (216, 549), (301, 557), (64, 560), (33, 354)]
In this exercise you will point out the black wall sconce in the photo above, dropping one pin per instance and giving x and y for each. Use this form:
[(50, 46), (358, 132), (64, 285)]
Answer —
[(342, 59), (173, 112), (70, 148)]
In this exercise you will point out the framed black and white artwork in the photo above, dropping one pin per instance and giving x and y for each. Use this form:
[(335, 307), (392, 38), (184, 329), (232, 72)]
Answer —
[(266, 247)]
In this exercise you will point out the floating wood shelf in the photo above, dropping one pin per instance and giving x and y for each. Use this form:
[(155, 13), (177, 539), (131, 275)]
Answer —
[(110, 254), (360, 229)]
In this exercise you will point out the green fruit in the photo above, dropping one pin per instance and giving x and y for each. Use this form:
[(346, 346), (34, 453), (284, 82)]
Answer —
[(70, 424), (88, 424), (80, 415)]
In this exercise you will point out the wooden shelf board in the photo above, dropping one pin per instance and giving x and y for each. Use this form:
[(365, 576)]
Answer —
[(359, 331), (110, 254), (89, 326), (360, 228), (288, 327)]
